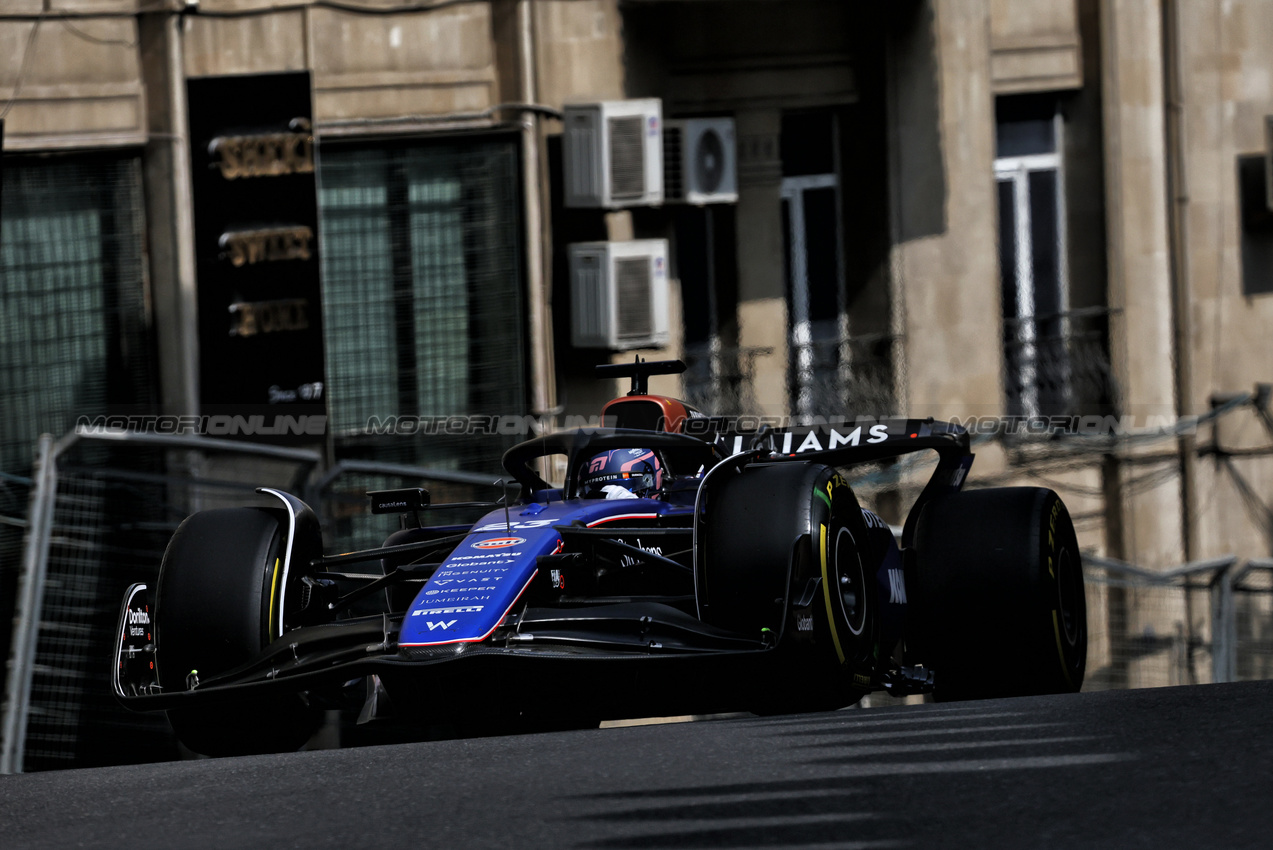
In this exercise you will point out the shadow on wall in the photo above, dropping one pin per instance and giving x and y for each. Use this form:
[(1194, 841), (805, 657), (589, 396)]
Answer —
[(914, 100)]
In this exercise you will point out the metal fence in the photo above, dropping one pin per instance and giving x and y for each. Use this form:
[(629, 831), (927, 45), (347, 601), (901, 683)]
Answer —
[(339, 497), (101, 510), (1208, 621), (15, 493)]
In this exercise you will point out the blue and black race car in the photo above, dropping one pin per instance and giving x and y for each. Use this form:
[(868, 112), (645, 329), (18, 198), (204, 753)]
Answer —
[(683, 567)]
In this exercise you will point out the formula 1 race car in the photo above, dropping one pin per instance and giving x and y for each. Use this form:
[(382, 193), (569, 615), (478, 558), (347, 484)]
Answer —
[(684, 566)]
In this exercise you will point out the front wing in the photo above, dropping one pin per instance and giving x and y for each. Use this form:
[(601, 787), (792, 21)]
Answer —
[(607, 660)]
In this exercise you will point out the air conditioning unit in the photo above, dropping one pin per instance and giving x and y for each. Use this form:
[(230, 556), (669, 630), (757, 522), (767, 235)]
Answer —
[(700, 161), (612, 153), (618, 294)]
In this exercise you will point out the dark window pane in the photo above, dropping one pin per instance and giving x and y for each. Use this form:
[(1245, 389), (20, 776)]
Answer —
[(823, 250), (693, 269), (1044, 248), (807, 139), (1024, 125), (1257, 227), (1008, 249), (1052, 362), (1021, 138)]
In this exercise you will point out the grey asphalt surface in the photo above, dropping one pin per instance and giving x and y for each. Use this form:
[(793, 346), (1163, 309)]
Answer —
[(1171, 767)]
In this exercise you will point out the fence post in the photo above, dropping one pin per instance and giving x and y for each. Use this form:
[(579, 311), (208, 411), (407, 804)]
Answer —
[(1224, 627), (26, 621)]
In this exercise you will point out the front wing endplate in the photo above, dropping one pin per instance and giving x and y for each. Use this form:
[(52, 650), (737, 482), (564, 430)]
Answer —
[(134, 673)]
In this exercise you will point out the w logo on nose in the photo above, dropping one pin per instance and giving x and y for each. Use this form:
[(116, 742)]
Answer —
[(441, 624)]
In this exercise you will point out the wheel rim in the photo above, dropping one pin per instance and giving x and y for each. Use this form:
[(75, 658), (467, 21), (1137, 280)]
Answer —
[(1070, 597), (850, 581)]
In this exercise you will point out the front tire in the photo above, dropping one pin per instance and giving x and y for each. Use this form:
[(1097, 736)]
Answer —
[(785, 552), (219, 588), (1000, 604)]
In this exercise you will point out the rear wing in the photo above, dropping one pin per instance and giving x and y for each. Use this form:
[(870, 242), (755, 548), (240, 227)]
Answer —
[(870, 441)]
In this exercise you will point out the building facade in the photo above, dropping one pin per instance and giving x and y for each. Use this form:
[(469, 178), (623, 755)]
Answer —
[(955, 208)]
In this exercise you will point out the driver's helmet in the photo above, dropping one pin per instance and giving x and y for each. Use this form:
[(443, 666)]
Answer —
[(622, 474)]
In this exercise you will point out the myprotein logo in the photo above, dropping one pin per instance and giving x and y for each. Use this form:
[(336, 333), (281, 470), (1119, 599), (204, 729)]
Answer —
[(499, 543)]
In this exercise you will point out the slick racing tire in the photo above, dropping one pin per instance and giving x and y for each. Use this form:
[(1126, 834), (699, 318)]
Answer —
[(219, 585), (785, 552), (999, 607)]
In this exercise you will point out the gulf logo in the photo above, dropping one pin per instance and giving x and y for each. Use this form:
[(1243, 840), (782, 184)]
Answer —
[(499, 542)]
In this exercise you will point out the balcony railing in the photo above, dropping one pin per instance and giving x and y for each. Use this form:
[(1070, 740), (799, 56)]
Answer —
[(1059, 363), (825, 377)]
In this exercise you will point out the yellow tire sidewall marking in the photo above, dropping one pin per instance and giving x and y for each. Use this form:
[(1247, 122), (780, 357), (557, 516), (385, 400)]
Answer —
[(273, 590), (826, 592)]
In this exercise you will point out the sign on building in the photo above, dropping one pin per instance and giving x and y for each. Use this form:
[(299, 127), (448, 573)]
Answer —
[(256, 247)]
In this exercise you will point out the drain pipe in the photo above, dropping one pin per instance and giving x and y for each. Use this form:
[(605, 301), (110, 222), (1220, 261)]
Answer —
[(1181, 288), (542, 368)]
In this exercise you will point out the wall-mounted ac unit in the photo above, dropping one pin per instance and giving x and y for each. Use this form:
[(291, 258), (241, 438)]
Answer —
[(618, 294), (612, 153), (700, 161)]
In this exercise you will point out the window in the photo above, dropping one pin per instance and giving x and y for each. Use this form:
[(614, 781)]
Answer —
[(422, 296), (1028, 171), (706, 259), (1257, 226), (73, 334), (813, 262)]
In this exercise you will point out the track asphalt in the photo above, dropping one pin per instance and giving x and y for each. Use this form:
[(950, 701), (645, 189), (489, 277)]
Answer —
[(1170, 767)]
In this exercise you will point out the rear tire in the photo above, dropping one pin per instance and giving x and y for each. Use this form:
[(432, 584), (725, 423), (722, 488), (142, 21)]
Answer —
[(774, 534), (219, 585), (999, 603)]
